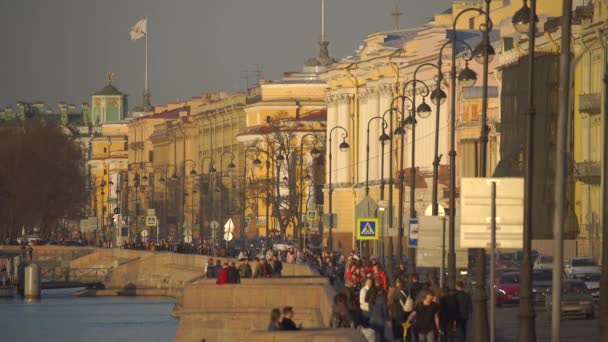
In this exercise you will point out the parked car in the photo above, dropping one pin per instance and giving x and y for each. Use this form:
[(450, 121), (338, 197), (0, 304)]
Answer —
[(504, 260), (577, 267), (592, 281), (541, 281), (507, 289), (543, 262), (576, 300), (518, 256)]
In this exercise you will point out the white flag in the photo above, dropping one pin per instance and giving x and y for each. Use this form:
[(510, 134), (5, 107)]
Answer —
[(139, 30)]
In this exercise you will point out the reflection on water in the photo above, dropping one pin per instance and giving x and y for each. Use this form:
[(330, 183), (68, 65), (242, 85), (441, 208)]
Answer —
[(61, 317)]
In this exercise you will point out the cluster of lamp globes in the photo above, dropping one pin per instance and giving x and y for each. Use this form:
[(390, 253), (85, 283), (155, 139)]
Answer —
[(466, 77)]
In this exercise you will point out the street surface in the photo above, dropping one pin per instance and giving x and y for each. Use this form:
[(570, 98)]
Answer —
[(573, 329)]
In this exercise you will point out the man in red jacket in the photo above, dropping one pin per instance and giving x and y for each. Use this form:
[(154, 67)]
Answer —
[(222, 277)]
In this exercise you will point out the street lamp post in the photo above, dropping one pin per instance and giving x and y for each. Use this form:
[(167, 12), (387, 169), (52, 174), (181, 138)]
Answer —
[(524, 21), (210, 172), (231, 166), (247, 149), (411, 121), (438, 97), (315, 154), (383, 138), (467, 77), (343, 148), (193, 174)]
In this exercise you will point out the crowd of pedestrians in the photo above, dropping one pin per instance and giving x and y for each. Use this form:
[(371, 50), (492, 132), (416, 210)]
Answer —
[(387, 310)]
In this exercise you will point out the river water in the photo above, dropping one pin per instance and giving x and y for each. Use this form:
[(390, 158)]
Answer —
[(62, 317)]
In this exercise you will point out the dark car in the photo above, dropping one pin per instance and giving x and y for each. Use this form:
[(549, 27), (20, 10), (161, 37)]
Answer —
[(541, 281), (507, 289), (576, 300)]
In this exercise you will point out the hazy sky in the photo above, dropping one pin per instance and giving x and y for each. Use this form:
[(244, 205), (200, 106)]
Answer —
[(53, 50)]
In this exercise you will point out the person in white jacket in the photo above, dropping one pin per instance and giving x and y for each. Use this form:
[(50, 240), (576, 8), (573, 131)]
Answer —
[(363, 304)]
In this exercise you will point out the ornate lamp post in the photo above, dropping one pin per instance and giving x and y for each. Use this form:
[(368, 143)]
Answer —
[(343, 148), (524, 21), (424, 111), (383, 139), (231, 167), (247, 149), (314, 152)]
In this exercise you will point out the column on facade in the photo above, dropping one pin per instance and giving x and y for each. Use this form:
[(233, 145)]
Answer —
[(364, 116), (385, 97), (373, 107), (332, 118), (342, 161)]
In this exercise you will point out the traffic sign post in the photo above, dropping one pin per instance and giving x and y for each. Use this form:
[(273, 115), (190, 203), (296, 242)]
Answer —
[(367, 229), (412, 236)]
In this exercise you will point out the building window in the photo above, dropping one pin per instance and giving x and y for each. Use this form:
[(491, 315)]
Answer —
[(151, 156), (472, 23), (105, 150)]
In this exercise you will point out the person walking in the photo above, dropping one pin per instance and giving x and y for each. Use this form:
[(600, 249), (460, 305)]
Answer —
[(427, 319), (398, 299), (465, 307), (363, 304), (341, 316), (378, 310)]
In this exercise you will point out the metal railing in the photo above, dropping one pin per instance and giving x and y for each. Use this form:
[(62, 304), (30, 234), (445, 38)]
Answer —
[(58, 274)]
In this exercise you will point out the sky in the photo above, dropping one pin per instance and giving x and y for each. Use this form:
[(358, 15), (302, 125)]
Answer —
[(61, 50)]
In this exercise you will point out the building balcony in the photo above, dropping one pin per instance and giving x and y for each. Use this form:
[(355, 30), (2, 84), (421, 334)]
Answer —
[(588, 171), (590, 103)]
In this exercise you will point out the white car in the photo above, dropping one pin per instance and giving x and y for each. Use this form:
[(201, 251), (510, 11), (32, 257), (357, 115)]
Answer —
[(577, 267), (283, 246), (592, 281), (543, 262)]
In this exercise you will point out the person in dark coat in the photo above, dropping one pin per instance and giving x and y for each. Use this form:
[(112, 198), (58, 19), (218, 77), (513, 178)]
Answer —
[(378, 309), (341, 316), (211, 269), (233, 274), (287, 322), (266, 269), (397, 301), (275, 320), (465, 306), (277, 267), (245, 270)]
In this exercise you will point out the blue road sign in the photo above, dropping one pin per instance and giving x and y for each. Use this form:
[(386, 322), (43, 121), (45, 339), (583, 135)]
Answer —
[(412, 237), (367, 229)]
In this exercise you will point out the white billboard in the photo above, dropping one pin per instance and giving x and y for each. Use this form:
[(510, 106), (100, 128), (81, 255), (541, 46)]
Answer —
[(430, 240), (475, 204)]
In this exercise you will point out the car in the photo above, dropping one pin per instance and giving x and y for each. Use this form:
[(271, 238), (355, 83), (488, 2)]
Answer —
[(543, 262), (283, 246), (541, 281), (592, 281), (576, 300), (507, 289), (519, 255), (504, 260), (579, 266)]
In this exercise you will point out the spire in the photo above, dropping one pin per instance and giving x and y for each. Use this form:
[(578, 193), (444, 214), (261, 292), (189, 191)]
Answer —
[(324, 59), (396, 14)]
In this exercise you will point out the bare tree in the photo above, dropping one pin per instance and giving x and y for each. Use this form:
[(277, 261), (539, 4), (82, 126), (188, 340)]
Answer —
[(41, 178)]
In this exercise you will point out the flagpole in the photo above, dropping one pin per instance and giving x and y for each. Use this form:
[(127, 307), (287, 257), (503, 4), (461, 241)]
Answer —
[(146, 61)]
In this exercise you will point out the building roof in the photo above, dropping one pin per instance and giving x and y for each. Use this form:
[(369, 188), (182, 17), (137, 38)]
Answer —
[(108, 90), (167, 114)]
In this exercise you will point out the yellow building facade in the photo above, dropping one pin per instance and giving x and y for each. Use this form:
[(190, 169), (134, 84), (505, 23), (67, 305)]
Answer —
[(588, 99), (285, 122)]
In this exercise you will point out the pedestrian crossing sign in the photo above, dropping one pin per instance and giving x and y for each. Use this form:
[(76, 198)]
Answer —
[(151, 221), (367, 229)]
